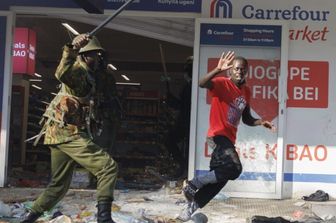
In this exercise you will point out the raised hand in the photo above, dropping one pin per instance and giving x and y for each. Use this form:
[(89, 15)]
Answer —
[(225, 60), (80, 41)]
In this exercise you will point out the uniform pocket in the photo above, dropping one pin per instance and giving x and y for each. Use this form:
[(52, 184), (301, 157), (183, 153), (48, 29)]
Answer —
[(69, 110)]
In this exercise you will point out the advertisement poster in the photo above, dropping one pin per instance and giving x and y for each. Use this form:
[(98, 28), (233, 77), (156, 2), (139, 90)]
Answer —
[(24, 51)]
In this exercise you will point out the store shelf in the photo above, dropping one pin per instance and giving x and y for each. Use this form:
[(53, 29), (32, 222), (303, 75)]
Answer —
[(138, 144)]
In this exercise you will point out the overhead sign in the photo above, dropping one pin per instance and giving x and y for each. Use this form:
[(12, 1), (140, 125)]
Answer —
[(159, 5), (24, 51), (303, 15), (187, 6), (91, 6)]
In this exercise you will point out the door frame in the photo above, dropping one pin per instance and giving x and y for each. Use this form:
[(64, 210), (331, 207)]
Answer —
[(282, 97), (6, 95)]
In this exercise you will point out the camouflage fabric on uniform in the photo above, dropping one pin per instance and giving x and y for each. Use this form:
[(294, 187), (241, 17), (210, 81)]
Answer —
[(65, 118)]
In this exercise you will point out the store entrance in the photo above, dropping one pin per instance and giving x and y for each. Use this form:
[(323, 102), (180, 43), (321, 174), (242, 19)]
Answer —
[(146, 131)]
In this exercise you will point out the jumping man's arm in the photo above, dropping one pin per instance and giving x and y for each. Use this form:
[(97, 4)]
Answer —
[(248, 119)]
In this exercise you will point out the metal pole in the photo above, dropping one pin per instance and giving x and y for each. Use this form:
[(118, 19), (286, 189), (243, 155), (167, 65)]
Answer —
[(99, 27), (163, 61)]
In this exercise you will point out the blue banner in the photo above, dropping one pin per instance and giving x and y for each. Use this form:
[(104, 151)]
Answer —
[(189, 6), (159, 5), (240, 35), (5, 4), (3, 25)]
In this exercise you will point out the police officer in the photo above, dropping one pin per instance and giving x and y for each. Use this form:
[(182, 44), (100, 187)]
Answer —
[(68, 128)]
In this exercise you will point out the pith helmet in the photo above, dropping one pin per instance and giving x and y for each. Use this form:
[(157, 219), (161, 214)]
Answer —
[(93, 44)]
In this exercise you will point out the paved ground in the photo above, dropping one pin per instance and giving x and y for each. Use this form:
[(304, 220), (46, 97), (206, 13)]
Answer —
[(164, 204)]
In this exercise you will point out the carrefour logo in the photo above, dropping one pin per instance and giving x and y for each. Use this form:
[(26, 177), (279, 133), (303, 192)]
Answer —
[(295, 13), (221, 9)]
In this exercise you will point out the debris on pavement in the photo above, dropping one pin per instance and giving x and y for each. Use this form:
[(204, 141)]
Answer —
[(199, 218), (298, 214), (324, 210), (300, 203), (61, 219), (319, 195), (160, 206), (5, 210)]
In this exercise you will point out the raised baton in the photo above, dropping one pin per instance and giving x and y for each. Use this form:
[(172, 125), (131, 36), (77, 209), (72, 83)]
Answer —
[(98, 28)]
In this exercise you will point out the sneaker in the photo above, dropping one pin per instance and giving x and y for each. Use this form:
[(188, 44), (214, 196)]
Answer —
[(319, 195), (189, 191), (187, 212)]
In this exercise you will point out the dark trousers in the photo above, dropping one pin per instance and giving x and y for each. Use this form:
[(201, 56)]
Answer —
[(226, 164)]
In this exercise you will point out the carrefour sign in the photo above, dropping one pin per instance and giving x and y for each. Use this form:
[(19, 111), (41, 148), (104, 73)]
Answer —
[(311, 27), (295, 13), (224, 9)]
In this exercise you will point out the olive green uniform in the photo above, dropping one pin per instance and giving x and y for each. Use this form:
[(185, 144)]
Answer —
[(69, 121)]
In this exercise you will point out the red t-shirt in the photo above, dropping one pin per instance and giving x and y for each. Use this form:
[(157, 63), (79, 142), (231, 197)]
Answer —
[(227, 105)]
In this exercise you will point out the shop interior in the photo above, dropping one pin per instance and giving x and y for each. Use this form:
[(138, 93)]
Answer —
[(149, 55)]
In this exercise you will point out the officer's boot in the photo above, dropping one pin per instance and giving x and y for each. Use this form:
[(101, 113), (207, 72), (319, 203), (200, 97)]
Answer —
[(30, 217), (104, 212)]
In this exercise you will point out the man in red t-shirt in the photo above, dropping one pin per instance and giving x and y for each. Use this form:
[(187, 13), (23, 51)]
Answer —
[(230, 102)]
